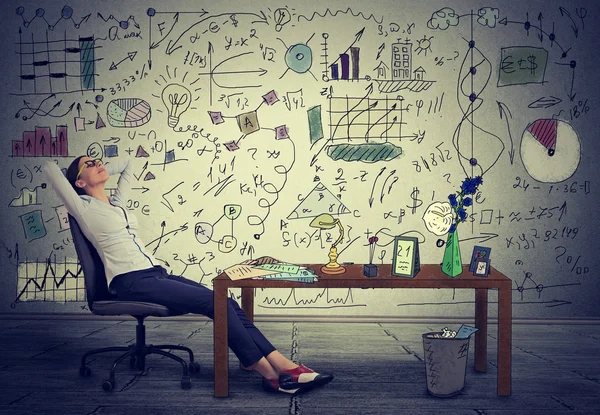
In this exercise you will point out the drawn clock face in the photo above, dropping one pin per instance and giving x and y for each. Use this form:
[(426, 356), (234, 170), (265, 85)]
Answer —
[(550, 150)]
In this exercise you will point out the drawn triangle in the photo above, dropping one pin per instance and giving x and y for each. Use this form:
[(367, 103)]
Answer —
[(149, 176), (319, 200), (141, 152), (99, 122)]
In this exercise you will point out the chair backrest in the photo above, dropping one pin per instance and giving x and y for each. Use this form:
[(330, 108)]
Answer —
[(96, 288)]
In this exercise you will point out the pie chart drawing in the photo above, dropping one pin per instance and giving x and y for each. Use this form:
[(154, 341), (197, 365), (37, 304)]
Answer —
[(128, 112), (550, 150)]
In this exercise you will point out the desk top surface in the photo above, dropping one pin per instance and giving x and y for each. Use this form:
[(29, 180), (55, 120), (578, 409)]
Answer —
[(429, 275)]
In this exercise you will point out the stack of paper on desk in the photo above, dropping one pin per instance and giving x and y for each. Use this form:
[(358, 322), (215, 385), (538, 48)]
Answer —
[(288, 272)]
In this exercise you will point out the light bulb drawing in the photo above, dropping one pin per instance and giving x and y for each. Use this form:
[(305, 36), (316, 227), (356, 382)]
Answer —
[(177, 100)]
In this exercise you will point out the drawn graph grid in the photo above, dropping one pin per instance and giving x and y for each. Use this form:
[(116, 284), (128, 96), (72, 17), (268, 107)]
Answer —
[(365, 119), (58, 65), (50, 280)]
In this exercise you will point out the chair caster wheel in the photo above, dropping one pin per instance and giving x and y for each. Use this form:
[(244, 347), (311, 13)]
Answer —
[(108, 385), (194, 367), (186, 382), (85, 371)]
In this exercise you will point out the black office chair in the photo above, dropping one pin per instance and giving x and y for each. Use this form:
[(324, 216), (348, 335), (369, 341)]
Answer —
[(102, 302)]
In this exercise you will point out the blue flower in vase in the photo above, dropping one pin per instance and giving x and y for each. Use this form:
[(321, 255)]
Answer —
[(462, 214), (452, 199), (452, 228), (467, 201)]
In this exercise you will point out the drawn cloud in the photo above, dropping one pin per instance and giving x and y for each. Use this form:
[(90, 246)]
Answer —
[(438, 218), (443, 18), (488, 16)]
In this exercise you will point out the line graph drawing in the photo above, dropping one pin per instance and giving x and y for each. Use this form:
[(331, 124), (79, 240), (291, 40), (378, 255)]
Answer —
[(56, 66), (240, 74), (325, 298), (123, 24), (65, 14), (366, 128), (49, 280)]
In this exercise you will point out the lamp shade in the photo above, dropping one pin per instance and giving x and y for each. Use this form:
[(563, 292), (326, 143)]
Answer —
[(324, 221)]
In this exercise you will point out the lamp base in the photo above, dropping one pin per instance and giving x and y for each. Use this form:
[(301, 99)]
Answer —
[(332, 270)]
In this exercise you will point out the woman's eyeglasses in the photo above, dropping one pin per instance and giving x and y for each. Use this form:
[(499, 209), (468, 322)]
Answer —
[(88, 163)]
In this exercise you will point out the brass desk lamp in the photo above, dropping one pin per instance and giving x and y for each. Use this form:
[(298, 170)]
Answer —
[(326, 221)]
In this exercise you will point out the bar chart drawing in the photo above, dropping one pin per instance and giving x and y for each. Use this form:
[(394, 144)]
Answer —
[(56, 66), (41, 143), (346, 66)]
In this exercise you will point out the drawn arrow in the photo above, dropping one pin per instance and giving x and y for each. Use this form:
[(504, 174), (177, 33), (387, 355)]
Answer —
[(373, 188), (84, 19), (91, 103), (154, 45), (78, 109), (144, 189), (129, 56), (544, 102), (357, 37), (484, 237), (172, 45), (385, 182), (564, 12), (503, 112), (541, 34)]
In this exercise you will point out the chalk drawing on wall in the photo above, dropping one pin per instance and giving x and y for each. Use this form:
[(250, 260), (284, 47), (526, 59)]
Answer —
[(298, 58), (128, 112), (203, 231), (521, 65), (40, 13), (27, 197), (40, 143), (319, 200), (366, 128), (550, 150), (346, 66), (68, 64), (50, 280)]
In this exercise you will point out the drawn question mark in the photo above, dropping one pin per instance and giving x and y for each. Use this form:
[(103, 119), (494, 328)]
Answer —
[(255, 151)]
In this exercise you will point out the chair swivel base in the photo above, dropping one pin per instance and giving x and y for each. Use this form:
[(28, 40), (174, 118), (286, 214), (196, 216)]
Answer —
[(137, 358)]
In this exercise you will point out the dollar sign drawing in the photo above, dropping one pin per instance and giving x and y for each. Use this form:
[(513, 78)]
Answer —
[(416, 201), (532, 65), (233, 20)]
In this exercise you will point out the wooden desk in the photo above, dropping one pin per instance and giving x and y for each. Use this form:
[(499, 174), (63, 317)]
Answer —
[(430, 276)]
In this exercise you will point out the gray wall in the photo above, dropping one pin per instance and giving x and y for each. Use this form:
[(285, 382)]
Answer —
[(534, 60)]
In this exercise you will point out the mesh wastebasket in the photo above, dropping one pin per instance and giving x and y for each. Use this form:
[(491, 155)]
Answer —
[(445, 364)]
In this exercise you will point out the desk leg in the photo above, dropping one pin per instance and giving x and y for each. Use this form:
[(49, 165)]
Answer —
[(481, 314), (248, 308), (504, 338), (248, 302), (221, 350)]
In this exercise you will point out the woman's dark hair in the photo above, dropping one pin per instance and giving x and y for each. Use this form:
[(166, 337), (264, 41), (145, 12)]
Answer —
[(72, 172)]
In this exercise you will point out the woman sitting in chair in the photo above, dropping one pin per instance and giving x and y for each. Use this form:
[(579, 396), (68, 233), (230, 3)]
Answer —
[(134, 274)]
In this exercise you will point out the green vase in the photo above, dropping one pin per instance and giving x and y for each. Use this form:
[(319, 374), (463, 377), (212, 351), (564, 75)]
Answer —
[(452, 264)]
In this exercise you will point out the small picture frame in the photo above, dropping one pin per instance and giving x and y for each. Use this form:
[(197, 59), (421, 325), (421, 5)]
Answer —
[(481, 267), (405, 258), (479, 252)]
